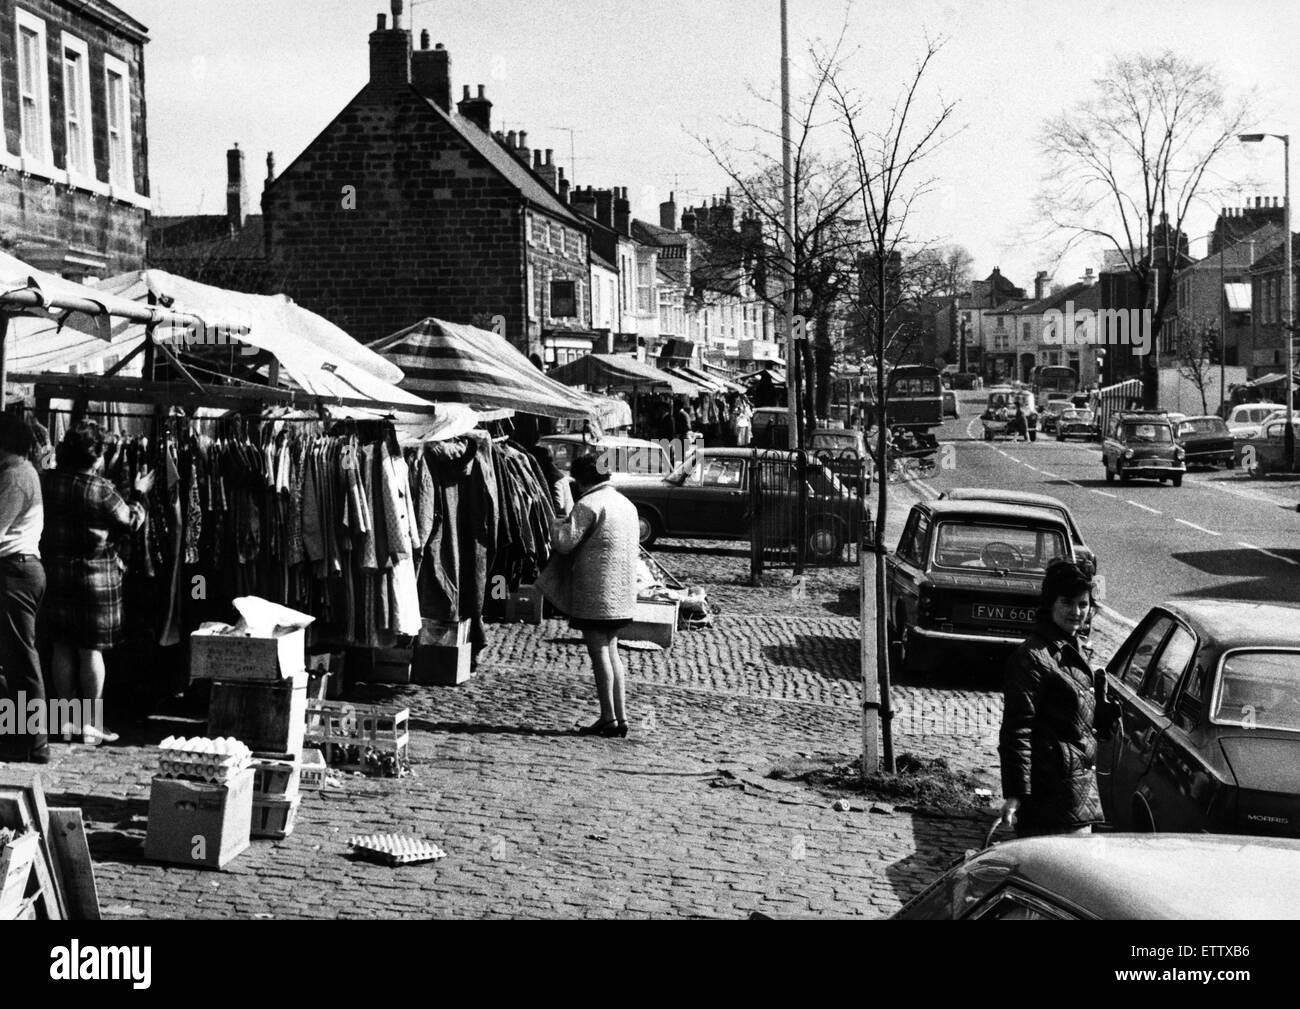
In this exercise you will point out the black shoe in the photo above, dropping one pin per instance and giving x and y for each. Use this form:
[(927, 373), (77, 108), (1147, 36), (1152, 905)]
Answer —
[(599, 728), (621, 731)]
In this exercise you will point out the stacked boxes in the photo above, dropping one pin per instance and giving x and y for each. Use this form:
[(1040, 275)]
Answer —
[(443, 654), (259, 695)]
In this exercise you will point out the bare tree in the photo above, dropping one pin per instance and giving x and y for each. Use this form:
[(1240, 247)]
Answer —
[(1127, 165), (1195, 359), (886, 159), (826, 234)]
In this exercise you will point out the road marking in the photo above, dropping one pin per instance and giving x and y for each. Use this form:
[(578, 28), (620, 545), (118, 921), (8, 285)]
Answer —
[(1144, 507), (1004, 452), (1199, 529), (1027, 466), (1050, 476), (1115, 615), (1249, 495), (1268, 553), (1103, 493)]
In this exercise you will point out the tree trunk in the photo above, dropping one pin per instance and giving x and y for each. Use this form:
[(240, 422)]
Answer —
[(825, 355)]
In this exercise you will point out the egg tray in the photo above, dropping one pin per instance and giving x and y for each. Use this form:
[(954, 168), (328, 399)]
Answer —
[(395, 849), (201, 766)]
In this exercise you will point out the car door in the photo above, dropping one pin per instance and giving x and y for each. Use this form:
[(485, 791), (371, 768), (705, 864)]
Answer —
[(1181, 783), (1167, 772), (909, 570), (1122, 763), (901, 566), (711, 498)]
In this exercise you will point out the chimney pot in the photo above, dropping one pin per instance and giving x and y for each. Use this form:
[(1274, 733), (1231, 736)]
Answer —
[(270, 166), (397, 15), (482, 91), (236, 189), (512, 139), (424, 39), (465, 94), (537, 159), (550, 151), (523, 139), (381, 23)]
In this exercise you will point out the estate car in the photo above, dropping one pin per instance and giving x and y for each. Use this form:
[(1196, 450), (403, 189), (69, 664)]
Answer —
[(1210, 733), (1207, 441), (1019, 497), (1077, 423)]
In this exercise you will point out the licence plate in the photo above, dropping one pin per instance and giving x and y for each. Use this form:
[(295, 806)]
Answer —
[(1002, 614)]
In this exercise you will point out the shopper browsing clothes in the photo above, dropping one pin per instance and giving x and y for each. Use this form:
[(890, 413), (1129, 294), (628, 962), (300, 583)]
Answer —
[(600, 537), (556, 481), (22, 584), (1054, 710), (83, 515)]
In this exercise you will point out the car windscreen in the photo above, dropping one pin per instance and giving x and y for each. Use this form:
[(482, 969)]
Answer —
[(1260, 690), (1154, 433), (991, 546), (838, 442), (1082, 416), (1203, 425)]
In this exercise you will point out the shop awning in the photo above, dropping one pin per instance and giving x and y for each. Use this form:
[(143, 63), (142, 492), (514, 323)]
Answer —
[(448, 362), (702, 385), (618, 371), (1238, 296), (720, 383)]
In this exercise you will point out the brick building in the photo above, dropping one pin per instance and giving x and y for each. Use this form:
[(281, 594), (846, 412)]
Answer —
[(405, 207), (1268, 344), (74, 177)]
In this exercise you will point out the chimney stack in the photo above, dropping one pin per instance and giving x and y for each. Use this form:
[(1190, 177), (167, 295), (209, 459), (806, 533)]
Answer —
[(236, 189), (668, 213), (1040, 285), (605, 207), (564, 188), (477, 110), (390, 55), (547, 168), (622, 212), (583, 202), (431, 73), (522, 150), (270, 166), (688, 221)]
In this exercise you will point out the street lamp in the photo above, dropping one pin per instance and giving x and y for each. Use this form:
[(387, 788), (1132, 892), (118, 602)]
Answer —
[(1255, 138)]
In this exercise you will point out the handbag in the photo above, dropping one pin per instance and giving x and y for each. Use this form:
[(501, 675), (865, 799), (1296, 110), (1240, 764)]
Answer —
[(555, 581)]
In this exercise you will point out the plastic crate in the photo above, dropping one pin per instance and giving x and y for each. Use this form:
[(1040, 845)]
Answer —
[(275, 778), (312, 773), (273, 818), (369, 737)]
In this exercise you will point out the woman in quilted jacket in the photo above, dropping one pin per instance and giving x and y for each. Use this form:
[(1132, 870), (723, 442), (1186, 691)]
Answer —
[(1049, 723)]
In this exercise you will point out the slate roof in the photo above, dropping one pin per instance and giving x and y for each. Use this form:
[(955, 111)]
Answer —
[(203, 236)]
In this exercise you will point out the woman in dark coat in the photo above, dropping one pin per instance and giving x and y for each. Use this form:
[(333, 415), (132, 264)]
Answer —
[(1050, 717), (83, 604)]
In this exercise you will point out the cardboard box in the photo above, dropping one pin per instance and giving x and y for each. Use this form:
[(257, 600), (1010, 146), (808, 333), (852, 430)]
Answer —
[(442, 665), (655, 621), (525, 605), (444, 632), (265, 717), (198, 824), (215, 656)]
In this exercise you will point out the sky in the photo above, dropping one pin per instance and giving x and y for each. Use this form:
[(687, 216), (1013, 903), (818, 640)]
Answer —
[(624, 93)]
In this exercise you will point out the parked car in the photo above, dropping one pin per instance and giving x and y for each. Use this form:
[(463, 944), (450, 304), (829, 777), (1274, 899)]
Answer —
[(950, 407), (624, 456), (967, 575), (1016, 497), (1118, 876), (1000, 412), (966, 380), (844, 452), (1075, 423), (1245, 420), (709, 497), (1210, 740), (1267, 453), (1207, 441), (770, 427), (1052, 411), (1141, 443)]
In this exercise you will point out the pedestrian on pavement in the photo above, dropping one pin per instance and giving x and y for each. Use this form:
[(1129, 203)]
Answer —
[(556, 480), (83, 515), (744, 420), (22, 586), (601, 535), (1054, 709)]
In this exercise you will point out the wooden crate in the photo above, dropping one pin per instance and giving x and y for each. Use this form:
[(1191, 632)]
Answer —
[(442, 665), (267, 718), (338, 727), (273, 817), (275, 778)]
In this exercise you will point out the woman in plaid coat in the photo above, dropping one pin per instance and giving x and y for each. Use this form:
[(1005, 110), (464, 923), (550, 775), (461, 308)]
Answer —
[(83, 601)]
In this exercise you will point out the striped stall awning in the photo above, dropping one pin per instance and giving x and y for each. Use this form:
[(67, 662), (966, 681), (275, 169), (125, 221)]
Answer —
[(451, 363)]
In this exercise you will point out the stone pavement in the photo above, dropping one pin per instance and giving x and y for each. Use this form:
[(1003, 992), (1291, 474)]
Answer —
[(676, 820)]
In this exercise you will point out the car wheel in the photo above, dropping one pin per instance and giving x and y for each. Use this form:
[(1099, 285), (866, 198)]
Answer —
[(825, 540), (648, 526), (1060, 437), (1177, 481)]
